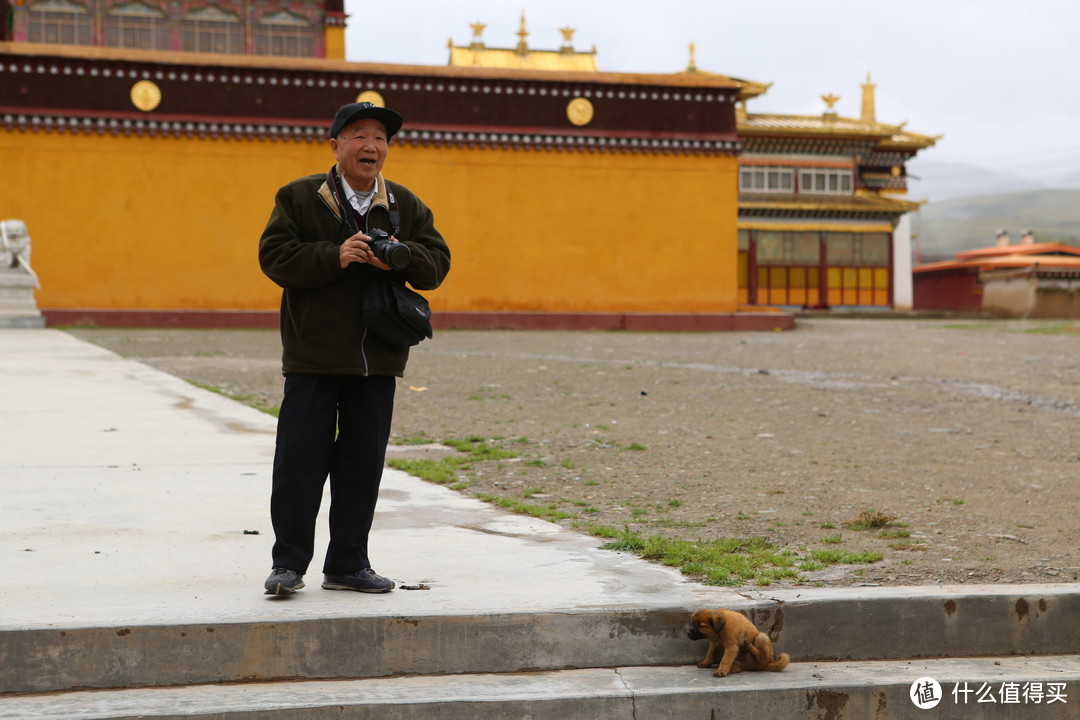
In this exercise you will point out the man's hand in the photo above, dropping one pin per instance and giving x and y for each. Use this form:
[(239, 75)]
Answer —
[(356, 249)]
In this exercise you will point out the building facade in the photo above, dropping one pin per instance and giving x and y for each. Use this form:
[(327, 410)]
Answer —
[(285, 28), (571, 197), (822, 212)]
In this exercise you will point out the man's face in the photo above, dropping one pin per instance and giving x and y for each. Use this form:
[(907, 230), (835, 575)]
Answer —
[(360, 150)]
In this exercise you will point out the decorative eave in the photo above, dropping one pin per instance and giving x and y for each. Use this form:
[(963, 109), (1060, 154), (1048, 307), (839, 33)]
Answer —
[(747, 88), (909, 142), (857, 205), (813, 125), (1047, 249), (52, 89)]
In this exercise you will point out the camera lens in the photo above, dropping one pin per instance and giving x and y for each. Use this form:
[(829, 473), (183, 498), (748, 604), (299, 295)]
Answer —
[(398, 255)]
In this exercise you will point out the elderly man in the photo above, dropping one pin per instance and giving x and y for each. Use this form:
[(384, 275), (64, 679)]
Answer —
[(339, 377)]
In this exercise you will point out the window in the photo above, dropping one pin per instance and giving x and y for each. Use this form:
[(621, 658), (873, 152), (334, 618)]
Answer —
[(766, 179), (136, 25), (857, 249), (211, 29), (60, 22), (787, 248), (283, 34), (833, 181)]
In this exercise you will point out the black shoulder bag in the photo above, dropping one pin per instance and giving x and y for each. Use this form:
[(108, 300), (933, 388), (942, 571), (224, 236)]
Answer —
[(400, 316)]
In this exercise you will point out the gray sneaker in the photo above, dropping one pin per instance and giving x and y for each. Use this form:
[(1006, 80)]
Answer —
[(283, 581), (363, 581)]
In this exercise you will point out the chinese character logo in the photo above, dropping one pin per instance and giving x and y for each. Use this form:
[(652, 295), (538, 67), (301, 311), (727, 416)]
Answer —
[(925, 693)]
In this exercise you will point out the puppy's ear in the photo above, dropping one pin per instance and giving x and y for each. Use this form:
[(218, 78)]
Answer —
[(717, 621)]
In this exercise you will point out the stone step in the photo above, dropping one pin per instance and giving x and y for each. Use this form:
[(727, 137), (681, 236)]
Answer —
[(1043, 688), (829, 624)]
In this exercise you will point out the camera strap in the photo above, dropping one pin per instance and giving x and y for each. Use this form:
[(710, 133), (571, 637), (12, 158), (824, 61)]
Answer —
[(350, 217)]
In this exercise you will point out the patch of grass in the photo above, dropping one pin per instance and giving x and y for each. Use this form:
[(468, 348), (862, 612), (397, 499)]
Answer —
[(635, 446), (420, 439), (842, 557), (833, 539), (871, 519), (898, 533), (908, 545), (1053, 329), (249, 400), (445, 470), (552, 513), (827, 525), (728, 561), (441, 472)]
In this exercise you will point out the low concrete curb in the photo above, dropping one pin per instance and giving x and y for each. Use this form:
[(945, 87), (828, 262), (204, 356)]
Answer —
[(978, 689)]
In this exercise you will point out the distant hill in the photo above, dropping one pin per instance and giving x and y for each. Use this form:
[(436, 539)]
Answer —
[(965, 223), (937, 181)]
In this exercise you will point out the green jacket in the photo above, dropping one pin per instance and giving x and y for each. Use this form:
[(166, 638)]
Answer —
[(321, 303)]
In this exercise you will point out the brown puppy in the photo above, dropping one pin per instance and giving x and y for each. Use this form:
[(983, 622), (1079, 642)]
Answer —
[(734, 642)]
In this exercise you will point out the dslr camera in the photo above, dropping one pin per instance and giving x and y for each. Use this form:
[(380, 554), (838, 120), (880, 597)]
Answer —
[(395, 254)]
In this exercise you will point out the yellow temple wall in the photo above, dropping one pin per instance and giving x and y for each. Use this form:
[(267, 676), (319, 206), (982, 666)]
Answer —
[(135, 223)]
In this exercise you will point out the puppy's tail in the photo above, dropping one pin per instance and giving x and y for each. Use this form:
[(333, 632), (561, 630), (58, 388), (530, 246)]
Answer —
[(779, 663)]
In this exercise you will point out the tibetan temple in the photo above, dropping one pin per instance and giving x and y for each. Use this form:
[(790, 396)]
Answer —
[(142, 142)]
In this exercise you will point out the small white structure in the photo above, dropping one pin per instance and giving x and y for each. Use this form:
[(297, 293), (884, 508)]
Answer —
[(18, 308)]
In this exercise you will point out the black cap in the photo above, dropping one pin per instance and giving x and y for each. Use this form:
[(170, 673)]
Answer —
[(348, 114)]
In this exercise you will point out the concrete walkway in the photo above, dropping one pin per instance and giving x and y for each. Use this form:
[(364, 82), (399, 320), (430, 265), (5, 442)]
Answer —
[(133, 497)]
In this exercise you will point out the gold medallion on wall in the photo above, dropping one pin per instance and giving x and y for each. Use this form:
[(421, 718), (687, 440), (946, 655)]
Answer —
[(579, 111), (372, 97), (145, 95)]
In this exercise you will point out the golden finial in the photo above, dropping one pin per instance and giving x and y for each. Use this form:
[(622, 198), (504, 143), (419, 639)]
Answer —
[(522, 33), (868, 112), (567, 34), (477, 29), (830, 101), (692, 65)]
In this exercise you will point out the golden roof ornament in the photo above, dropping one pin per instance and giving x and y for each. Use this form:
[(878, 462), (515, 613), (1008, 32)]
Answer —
[(830, 102), (522, 33), (478, 31), (868, 111), (692, 65)]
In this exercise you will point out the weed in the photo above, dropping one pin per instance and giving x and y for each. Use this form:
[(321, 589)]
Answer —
[(833, 539), (551, 513), (870, 519), (728, 561)]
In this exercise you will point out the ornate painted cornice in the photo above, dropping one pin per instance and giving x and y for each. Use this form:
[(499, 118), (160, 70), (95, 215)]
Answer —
[(45, 89), (432, 137)]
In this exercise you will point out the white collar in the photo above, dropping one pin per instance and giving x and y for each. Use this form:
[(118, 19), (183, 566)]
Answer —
[(360, 201)]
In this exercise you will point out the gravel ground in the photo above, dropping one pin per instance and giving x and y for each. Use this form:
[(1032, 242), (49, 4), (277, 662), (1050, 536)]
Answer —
[(964, 432)]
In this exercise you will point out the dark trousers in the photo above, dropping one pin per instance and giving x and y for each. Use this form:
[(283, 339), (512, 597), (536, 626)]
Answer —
[(336, 426)]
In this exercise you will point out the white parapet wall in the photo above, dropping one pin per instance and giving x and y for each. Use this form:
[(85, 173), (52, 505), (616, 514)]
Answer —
[(903, 289)]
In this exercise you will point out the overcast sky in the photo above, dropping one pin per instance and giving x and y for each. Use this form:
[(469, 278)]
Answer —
[(999, 79)]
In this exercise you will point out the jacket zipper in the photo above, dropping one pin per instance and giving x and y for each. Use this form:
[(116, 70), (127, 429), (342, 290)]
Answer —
[(363, 352)]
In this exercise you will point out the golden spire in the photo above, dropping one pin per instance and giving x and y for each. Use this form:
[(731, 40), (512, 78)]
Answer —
[(568, 39), (692, 65), (522, 33), (868, 111)]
